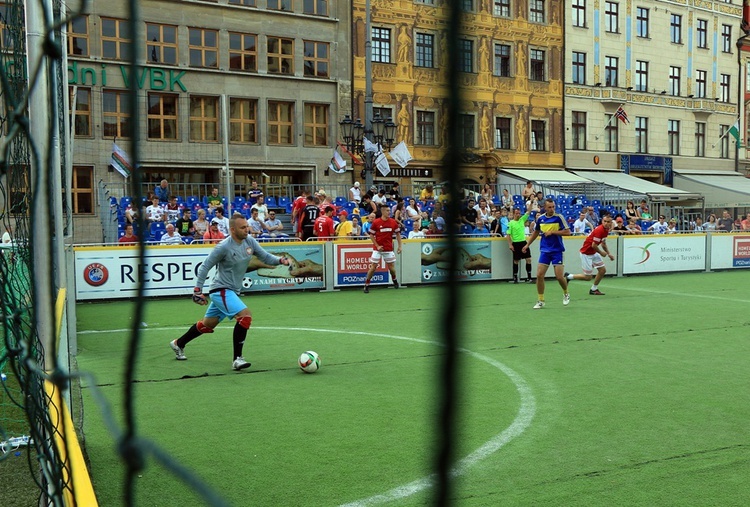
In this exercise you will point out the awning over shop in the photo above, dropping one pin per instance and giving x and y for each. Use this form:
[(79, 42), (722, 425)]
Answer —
[(543, 176), (654, 191), (721, 189)]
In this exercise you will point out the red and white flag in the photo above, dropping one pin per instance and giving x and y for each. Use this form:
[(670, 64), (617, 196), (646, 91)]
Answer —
[(621, 115)]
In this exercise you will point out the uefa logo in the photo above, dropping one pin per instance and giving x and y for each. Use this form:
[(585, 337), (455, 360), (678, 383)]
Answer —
[(95, 274)]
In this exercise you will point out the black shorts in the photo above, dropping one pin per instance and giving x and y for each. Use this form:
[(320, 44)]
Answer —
[(518, 252)]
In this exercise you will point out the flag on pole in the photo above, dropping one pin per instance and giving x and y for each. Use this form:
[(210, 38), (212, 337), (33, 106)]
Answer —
[(338, 164), (400, 154), (621, 115), (370, 146), (735, 130), (120, 161), (354, 158), (382, 164)]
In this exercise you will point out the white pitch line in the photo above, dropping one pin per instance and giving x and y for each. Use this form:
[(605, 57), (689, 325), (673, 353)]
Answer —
[(521, 422), (682, 294)]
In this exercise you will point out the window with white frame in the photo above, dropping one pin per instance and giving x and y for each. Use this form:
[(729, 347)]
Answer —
[(641, 134), (502, 133), (536, 11), (537, 65), (538, 131), (612, 17), (611, 64), (501, 8), (611, 132), (466, 55), (700, 139), (675, 28), (700, 84), (724, 88), (702, 32), (579, 67), (641, 22), (674, 80), (641, 76), (579, 13), (425, 50), (381, 44), (501, 65), (673, 136), (726, 38)]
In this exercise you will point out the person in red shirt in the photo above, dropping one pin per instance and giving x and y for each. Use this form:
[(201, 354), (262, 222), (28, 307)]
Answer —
[(592, 251), (381, 233), (129, 238), (297, 206), (324, 228)]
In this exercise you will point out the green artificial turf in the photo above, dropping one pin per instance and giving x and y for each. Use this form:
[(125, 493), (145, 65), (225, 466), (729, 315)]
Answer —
[(639, 397)]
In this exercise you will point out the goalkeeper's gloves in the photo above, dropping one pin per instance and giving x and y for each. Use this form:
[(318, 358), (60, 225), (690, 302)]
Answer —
[(198, 296)]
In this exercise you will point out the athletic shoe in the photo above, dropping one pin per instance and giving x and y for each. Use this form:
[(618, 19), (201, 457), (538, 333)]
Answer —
[(180, 353), (515, 280), (566, 299), (240, 364), (538, 305), (529, 280), (367, 289), (566, 275), (395, 284), (596, 292)]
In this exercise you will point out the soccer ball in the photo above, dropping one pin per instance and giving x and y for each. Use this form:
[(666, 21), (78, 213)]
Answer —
[(427, 274), (309, 362)]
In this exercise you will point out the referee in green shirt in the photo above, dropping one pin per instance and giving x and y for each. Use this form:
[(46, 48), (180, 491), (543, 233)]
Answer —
[(516, 241)]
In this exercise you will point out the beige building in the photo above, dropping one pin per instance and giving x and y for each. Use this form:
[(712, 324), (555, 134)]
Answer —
[(672, 67), (228, 90)]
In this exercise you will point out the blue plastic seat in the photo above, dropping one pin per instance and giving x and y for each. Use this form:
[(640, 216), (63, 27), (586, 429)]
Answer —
[(283, 201), (340, 201), (271, 202), (289, 207), (466, 229)]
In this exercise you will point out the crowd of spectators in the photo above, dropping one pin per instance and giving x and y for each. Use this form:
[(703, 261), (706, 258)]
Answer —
[(171, 220)]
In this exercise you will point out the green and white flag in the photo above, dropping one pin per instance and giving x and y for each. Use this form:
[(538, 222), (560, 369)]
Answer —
[(735, 130), (120, 161)]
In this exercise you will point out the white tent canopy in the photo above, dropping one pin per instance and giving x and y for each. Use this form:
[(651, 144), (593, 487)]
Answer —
[(721, 189), (654, 191)]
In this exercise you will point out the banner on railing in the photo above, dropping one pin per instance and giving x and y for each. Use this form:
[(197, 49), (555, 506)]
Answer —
[(351, 262), (474, 260)]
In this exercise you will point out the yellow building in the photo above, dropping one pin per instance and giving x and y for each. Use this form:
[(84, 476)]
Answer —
[(510, 57)]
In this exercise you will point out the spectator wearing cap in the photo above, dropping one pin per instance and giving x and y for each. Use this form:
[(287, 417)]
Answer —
[(372, 192), (380, 197), (274, 227), (619, 227), (659, 227), (223, 221), (213, 234), (323, 227), (355, 193), (344, 227)]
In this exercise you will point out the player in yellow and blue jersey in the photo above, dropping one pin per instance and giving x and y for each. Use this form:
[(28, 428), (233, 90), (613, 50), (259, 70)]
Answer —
[(552, 227)]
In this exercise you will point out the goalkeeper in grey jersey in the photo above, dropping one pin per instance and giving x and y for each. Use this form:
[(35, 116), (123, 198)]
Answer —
[(230, 257)]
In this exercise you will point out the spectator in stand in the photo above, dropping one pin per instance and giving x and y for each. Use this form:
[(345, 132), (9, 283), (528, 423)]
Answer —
[(371, 193), (214, 200), (344, 227), (633, 227), (659, 227), (711, 224), (356, 227), (162, 192), (506, 201), (223, 221), (643, 212), (619, 227), (380, 197), (484, 212), (185, 226), (260, 205), (469, 214), (309, 215), (200, 224), (432, 230), (438, 217), (698, 225), (173, 210), (395, 192), (297, 206), (532, 204), (155, 213), (580, 225), (355, 193), (592, 217), (253, 192), (368, 223), (672, 226), (412, 210), (131, 214), (480, 229), (631, 211), (746, 223), (366, 206), (213, 235), (128, 239), (427, 194), (487, 192), (444, 195), (416, 232), (528, 191), (274, 227), (171, 237), (255, 226), (425, 219), (399, 213), (499, 226), (725, 223), (324, 228)]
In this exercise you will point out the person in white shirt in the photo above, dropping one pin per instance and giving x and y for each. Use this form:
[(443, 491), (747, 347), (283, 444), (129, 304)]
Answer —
[(672, 226), (416, 232), (171, 237), (580, 225), (412, 210), (260, 205), (659, 227), (484, 212), (154, 212), (355, 194), (223, 221), (380, 197)]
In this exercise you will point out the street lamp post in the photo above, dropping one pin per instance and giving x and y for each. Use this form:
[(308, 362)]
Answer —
[(377, 130)]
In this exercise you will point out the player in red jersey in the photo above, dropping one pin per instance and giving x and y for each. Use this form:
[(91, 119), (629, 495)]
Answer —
[(324, 228), (592, 251), (381, 233), (297, 206)]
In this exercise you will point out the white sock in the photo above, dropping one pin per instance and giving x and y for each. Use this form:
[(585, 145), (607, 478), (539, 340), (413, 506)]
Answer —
[(594, 287), (570, 277)]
